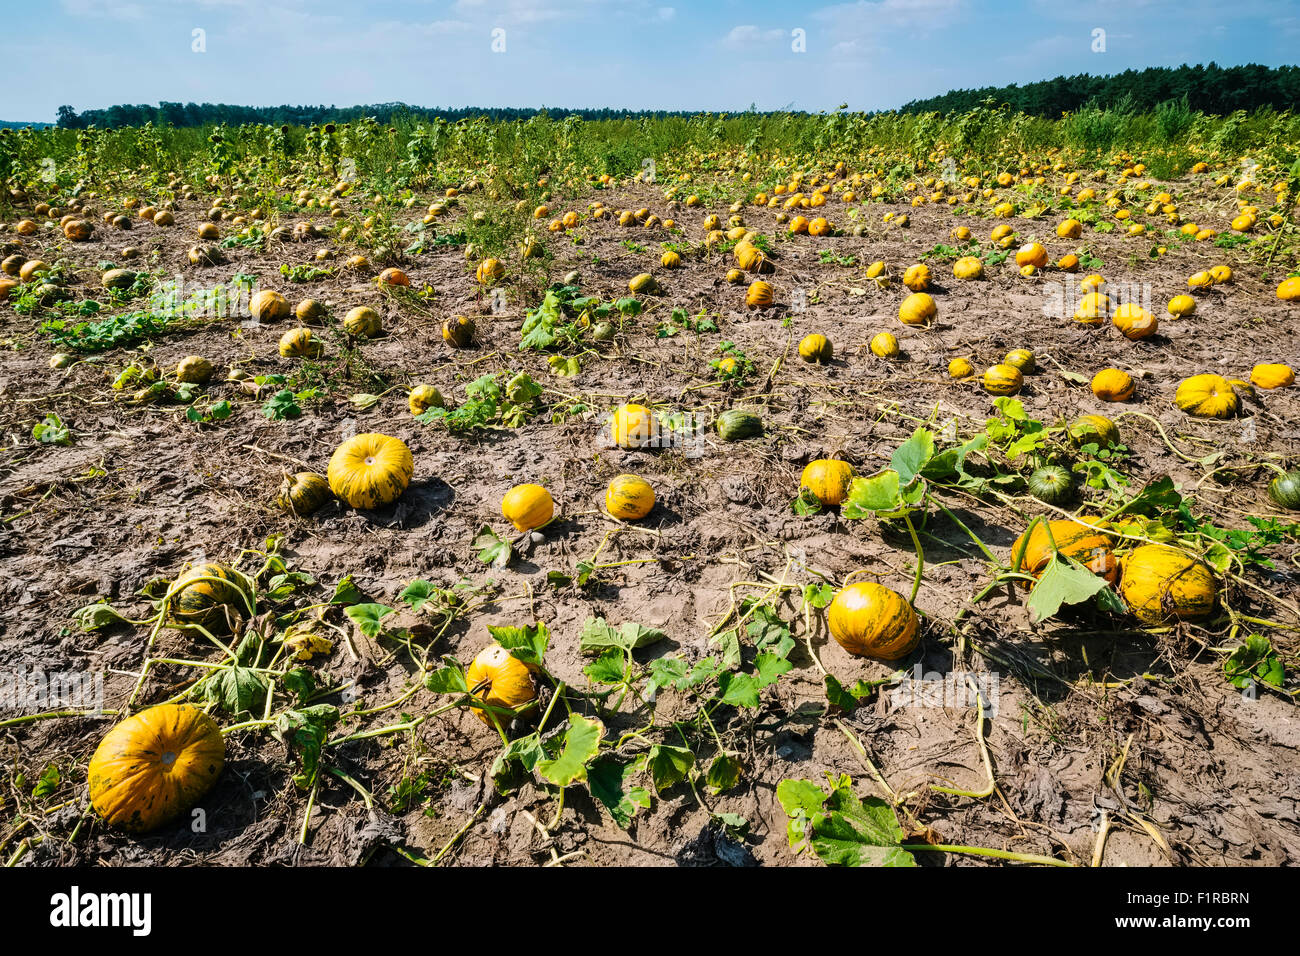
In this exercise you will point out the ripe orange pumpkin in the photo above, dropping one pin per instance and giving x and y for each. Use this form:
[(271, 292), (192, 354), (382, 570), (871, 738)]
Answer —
[(632, 426), (629, 497), (1084, 542), (1113, 385), (499, 680), (370, 470), (759, 295), (1135, 322), (269, 306), (393, 276), (870, 620), (528, 506), (828, 479), (155, 765)]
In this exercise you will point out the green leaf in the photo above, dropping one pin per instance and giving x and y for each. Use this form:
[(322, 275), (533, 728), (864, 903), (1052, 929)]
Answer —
[(527, 643), (1255, 660), (1065, 581), (346, 592), (806, 504), (728, 643), (608, 668), (369, 618), (818, 595), (236, 689), (447, 680), (854, 832), (281, 405), (94, 616), (665, 672), (597, 635), (724, 772), (669, 765), (564, 367), (52, 431), (300, 683), (739, 690), (800, 799), (494, 551), (363, 400), (48, 783), (609, 783), (523, 753), (913, 455), (304, 731), (581, 742), (418, 593), (770, 667)]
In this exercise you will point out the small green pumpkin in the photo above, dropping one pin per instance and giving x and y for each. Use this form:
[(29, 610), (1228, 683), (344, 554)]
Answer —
[(1285, 490), (1052, 485), (304, 493), (736, 424)]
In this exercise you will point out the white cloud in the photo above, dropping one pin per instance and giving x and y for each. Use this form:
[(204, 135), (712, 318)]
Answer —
[(665, 14), (749, 37), (869, 13)]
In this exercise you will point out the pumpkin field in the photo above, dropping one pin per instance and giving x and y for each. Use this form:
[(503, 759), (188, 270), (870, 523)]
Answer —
[(784, 490)]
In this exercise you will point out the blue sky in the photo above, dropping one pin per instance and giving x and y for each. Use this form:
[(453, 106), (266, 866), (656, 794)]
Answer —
[(638, 54)]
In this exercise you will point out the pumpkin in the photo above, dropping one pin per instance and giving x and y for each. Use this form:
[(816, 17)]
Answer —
[(1003, 380), (870, 620), (1159, 582), (1113, 385), (195, 369), (1094, 430), (736, 424), (392, 277), (458, 331), (1082, 541), (644, 284), (1134, 322), (1285, 490), (884, 345), (1208, 395), (1181, 305), (33, 268), (1022, 359), (968, 267), (12, 264), (917, 278), (632, 426), (370, 470), (1069, 229), (117, 279), (489, 270), (816, 348), (828, 479), (422, 398), (499, 680), (363, 322), (303, 493), (154, 766), (960, 368), (1289, 289), (1031, 254), (629, 497), (78, 230), (759, 295), (735, 277), (268, 306), (1093, 308), (670, 260), (212, 596), (527, 506), (299, 343), (750, 258), (1051, 484), (1272, 375), (917, 309)]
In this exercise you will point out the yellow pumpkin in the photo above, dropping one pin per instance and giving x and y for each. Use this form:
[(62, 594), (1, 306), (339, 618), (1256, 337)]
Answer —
[(489, 270), (670, 260), (917, 277), (643, 284), (1093, 308), (632, 426), (1181, 305), (1208, 395), (1083, 541), (303, 493), (269, 306), (499, 680), (298, 342), (458, 331), (1134, 322), (1272, 375), (1289, 289), (363, 322), (884, 345), (968, 267), (828, 479), (370, 470), (194, 369), (1022, 359), (1003, 380), (816, 348), (527, 506), (870, 620), (213, 596), (917, 309), (1069, 229), (1113, 385), (629, 497), (1159, 583), (422, 398), (960, 368), (759, 295), (310, 311), (154, 766), (1031, 254), (1094, 430), (750, 258)]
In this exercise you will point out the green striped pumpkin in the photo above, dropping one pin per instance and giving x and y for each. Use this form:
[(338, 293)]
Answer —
[(737, 424), (629, 497), (213, 596)]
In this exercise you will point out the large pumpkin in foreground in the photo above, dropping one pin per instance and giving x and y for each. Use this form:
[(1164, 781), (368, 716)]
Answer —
[(155, 765), (870, 620), (1208, 395), (370, 470), (213, 596), (1086, 543), (499, 680), (1160, 583)]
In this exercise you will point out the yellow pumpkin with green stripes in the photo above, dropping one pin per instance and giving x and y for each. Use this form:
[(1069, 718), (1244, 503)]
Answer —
[(629, 497), (870, 620), (1003, 380), (1160, 583), (370, 470), (213, 596), (828, 479), (528, 506)]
